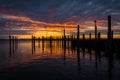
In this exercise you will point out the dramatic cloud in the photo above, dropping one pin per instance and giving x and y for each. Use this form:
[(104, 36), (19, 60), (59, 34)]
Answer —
[(31, 16)]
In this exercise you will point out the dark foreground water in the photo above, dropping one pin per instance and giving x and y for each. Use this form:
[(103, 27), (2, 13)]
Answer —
[(50, 60)]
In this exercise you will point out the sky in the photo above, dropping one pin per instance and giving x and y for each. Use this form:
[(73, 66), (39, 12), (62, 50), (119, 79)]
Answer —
[(50, 17)]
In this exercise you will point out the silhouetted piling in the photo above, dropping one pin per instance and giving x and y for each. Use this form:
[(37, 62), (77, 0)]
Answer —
[(95, 30), (64, 39), (78, 32), (10, 40), (68, 38), (78, 50), (71, 38), (64, 33), (109, 27), (51, 45), (50, 39), (109, 35), (10, 37), (99, 47), (43, 44), (110, 48), (64, 45), (78, 58), (13, 42), (10, 53), (90, 36), (33, 44), (96, 54), (99, 36), (39, 42), (83, 37)]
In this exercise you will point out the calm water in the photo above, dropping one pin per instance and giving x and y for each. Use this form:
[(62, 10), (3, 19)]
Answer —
[(54, 59)]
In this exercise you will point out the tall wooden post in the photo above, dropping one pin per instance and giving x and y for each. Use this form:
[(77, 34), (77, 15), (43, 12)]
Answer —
[(110, 46), (96, 55), (95, 30), (64, 43), (43, 44), (64, 36), (64, 33), (10, 49), (10, 37), (90, 36), (109, 27), (78, 50), (99, 35), (78, 34), (10, 40)]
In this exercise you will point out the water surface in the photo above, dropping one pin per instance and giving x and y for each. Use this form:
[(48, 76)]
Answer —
[(53, 60)]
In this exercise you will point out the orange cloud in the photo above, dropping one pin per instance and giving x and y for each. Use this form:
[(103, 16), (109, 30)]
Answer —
[(39, 27), (35, 23)]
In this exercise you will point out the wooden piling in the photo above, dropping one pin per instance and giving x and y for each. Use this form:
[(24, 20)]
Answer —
[(43, 44), (64, 33), (38, 42), (99, 36), (78, 34), (64, 39), (83, 36), (90, 36), (95, 29), (78, 50), (109, 27), (10, 40)]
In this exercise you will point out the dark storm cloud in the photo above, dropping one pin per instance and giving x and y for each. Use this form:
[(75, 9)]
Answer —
[(58, 11), (61, 8), (50, 10)]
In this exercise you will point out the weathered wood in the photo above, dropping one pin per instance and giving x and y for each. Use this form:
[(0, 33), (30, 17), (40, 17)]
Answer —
[(95, 30), (99, 36), (78, 32), (90, 36), (109, 27)]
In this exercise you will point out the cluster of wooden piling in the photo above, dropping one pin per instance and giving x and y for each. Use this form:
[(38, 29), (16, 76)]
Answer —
[(77, 41), (110, 45), (74, 37), (96, 43), (13, 44)]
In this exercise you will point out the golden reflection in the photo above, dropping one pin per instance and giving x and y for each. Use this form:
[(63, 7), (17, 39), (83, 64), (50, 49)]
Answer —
[(59, 34)]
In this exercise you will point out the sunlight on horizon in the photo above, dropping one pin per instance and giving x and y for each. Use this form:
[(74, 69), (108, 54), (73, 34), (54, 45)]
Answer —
[(54, 35)]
